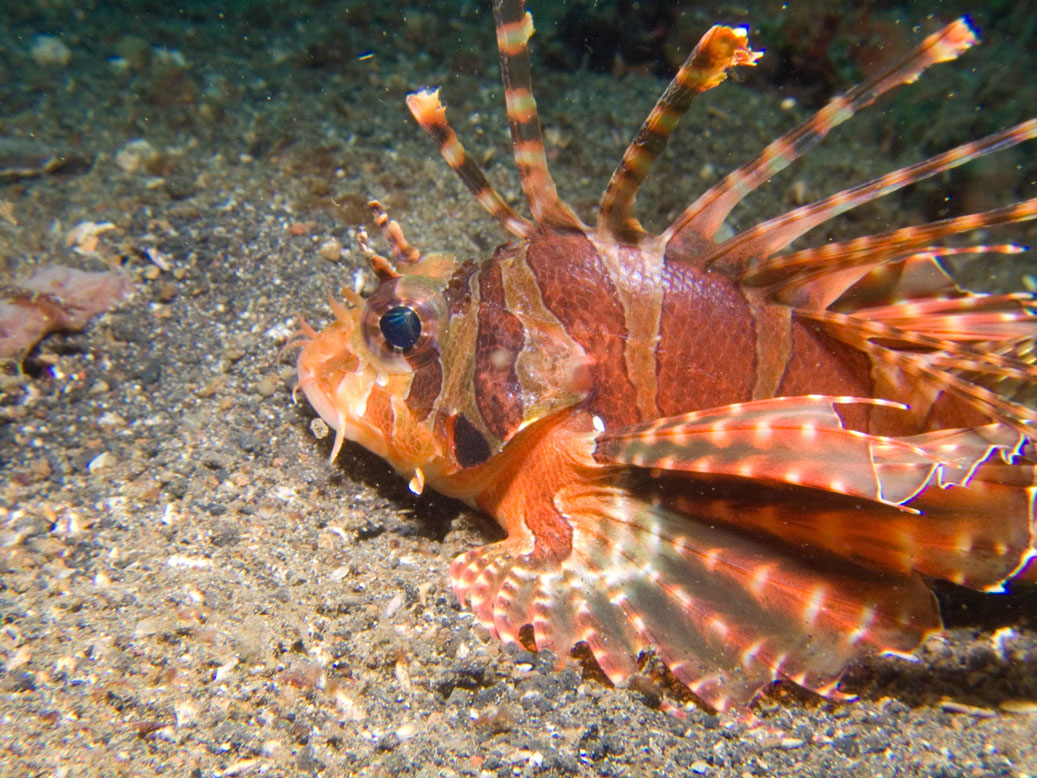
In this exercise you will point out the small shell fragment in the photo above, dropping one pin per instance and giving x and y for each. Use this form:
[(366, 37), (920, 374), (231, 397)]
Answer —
[(950, 706), (1019, 707)]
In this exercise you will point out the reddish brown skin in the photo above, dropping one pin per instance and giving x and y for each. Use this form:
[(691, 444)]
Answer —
[(497, 390), (822, 365), (576, 288), (428, 380), (706, 355)]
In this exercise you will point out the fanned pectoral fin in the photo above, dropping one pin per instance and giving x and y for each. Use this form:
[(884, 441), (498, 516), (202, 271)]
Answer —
[(759, 542), (729, 613), (801, 441), (726, 612), (956, 504), (509, 588), (791, 440), (977, 535)]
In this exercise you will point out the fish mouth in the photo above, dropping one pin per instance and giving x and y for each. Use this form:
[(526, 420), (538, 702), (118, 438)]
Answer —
[(320, 402), (337, 406)]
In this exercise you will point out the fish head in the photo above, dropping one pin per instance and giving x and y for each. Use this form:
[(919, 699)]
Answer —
[(374, 374)]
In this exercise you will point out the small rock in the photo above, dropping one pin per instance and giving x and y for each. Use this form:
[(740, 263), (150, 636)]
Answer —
[(101, 462), (319, 428), (180, 186), (460, 698), (249, 443), (214, 460), (48, 51), (950, 706), (186, 713), (149, 625), (331, 250), (166, 291), (19, 681), (234, 352), (225, 533), (309, 762), (135, 154), (267, 385), (135, 51), (1019, 707)]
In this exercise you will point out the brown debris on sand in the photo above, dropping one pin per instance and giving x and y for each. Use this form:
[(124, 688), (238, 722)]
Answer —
[(54, 298)]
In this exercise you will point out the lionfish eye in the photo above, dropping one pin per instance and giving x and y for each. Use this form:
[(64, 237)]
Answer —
[(401, 324), (401, 327)]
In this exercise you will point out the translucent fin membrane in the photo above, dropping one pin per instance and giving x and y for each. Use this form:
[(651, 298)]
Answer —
[(728, 613)]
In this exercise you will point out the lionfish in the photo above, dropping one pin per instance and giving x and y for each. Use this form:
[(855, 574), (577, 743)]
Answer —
[(746, 461)]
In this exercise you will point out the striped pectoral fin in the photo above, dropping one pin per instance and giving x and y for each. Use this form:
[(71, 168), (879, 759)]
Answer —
[(791, 440), (980, 535), (499, 582), (975, 524), (726, 612), (977, 535), (509, 587)]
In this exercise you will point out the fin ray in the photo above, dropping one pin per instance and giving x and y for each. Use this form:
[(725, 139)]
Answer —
[(514, 29), (706, 214)]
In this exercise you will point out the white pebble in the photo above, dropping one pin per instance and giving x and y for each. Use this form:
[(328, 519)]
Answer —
[(48, 51)]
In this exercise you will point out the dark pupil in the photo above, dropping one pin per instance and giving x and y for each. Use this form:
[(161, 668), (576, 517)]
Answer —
[(401, 326)]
